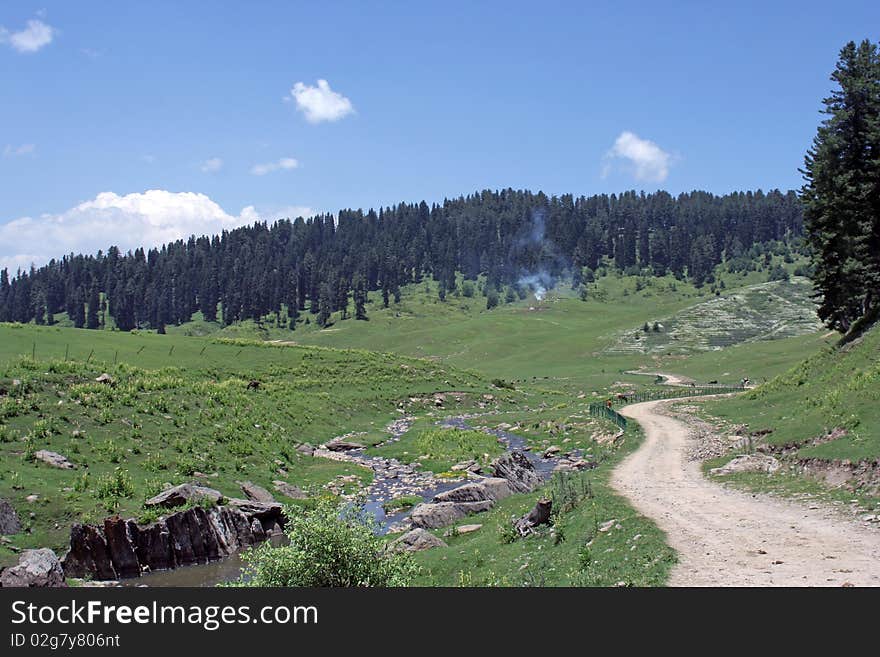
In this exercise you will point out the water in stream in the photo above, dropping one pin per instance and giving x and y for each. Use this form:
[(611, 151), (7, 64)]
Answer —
[(380, 491)]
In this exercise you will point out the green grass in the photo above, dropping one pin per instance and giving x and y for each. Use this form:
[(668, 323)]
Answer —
[(181, 406), (439, 449), (636, 554), (835, 388), (401, 503), (180, 417)]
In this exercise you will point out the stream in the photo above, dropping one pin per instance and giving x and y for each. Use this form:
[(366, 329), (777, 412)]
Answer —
[(391, 479)]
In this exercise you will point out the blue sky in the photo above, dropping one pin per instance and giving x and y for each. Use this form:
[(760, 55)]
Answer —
[(103, 101)]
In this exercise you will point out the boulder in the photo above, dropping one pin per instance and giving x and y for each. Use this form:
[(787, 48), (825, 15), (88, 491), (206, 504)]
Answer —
[(415, 540), (342, 445), (54, 459), (490, 488), (748, 463), (106, 379), (518, 470), (255, 493), (550, 452), (183, 493), (9, 521), (35, 568), (267, 512), (306, 449), (464, 465), (441, 514), (289, 490)]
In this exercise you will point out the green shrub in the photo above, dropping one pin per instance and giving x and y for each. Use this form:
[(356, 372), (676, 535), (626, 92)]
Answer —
[(329, 546)]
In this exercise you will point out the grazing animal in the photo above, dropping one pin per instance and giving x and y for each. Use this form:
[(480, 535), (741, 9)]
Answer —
[(253, 385)]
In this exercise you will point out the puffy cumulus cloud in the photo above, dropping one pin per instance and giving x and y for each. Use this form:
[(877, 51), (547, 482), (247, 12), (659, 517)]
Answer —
[(644, 159), (145, 219), (285, 163), (320, 103), (212, 165), (35, 35)]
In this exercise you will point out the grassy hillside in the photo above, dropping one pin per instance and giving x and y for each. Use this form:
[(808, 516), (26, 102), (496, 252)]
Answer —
[(837, 388), (751, 314), (180, 410)]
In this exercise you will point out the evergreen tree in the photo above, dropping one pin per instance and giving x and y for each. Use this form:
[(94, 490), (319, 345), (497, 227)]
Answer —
[(360, 297), (841, 195), (92, 316)]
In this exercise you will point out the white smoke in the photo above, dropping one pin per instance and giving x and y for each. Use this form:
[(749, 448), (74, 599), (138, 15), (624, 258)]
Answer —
[(539, 283)]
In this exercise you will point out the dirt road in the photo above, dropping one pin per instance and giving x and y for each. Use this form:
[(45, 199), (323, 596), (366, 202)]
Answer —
[(726, 537)]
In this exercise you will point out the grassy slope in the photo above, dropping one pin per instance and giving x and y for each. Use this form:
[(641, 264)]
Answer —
[(554, 352), (833, 388), (632, 552), (170, 416)]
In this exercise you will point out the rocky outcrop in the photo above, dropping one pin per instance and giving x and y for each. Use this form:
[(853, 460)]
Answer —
[(518, 470), (748, 463), (54, 459), (441, 514), (9, 521), (255, 493), (183, 493), (415, 540), (490, 488), (123, 548), (289, 490), (35, 568)]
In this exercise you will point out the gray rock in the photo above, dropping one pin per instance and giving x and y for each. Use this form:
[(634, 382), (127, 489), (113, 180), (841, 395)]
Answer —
[(54, 459), (490, 488), (106, 379), (441, 514), (289, 490), (183, 493), (748, 463), (550, 452), (9, 521), (306, 449), (340, 445), (35, 568), (255, 493), (518, 470), (415, 540), (263, 510), (464, 465)]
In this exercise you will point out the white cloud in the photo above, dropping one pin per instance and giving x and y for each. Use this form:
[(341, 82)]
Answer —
[(320, 103), (34, 36), (212, 165), (285, 163), (644, 159), (145, 219), (17, 151)]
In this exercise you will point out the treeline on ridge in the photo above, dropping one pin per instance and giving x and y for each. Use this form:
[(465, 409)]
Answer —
[(321, 264)]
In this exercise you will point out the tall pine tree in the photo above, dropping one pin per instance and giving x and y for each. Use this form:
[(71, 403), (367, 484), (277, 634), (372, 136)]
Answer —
[(841, 195)]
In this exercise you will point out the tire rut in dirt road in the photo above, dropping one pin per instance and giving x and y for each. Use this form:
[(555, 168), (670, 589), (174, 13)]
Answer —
[(727, 537)]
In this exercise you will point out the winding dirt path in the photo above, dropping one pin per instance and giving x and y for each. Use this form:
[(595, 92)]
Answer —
[(726, 537)]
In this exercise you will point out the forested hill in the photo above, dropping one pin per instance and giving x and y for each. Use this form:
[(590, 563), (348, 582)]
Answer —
[(318, 263)]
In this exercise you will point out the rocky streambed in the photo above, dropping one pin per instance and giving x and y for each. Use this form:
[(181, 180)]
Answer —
[(207, 541)]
